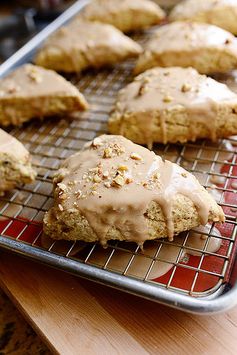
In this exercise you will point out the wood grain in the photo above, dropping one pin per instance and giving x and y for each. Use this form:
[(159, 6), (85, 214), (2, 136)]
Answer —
[(79, 317)]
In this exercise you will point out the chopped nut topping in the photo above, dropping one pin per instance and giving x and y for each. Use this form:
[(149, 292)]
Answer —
[(118, 149), (156, 176), (105, 174), (94, 193), (184, 175), (135, 156), (186, 87), (78, 193), (107, 184), (62, 195), (143, 88), (12, 89), (94, 187), (35, 76), (94, 170), (118, 181), (128, 180), (147, 80), (107, 153), (96, 178), (166, 73), (60, 207), (96, 142), (71, 183), (123, 168), (167, 98), (62, 186)]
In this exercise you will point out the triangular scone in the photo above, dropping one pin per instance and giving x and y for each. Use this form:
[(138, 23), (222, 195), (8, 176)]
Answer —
[(174, 105), (126, 15), (115, 189), (85, 44), (207, 48), (15, 163), (222, 13), (34, 92)]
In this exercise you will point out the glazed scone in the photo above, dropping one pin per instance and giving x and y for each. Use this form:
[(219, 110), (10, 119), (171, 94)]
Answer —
[(222, 13), (126, 15), (34, 92), (174, 105), (84, 44), (115, 189), (207, 48), (15, 163)]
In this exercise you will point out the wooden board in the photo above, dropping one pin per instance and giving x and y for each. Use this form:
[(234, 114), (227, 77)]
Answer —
[(75, 316)]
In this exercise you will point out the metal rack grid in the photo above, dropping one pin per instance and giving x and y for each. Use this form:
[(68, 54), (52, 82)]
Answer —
[(51, 141)]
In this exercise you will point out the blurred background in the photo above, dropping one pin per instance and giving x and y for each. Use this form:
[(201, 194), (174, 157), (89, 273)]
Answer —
[(20, 20)]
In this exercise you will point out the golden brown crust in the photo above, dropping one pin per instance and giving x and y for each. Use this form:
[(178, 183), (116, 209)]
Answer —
[(84, 44), (115, 189), (207, 48), (221, 13), (126, 15), (69, 226), (15, 163), (31, 92), (174, 105)]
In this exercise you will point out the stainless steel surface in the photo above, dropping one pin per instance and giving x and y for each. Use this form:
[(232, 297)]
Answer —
[(52, 141)]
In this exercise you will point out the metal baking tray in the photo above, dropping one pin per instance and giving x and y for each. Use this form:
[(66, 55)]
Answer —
[(200, 284)]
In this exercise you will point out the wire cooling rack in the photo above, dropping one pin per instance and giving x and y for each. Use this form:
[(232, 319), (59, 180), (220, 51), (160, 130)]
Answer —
[(194, 283)]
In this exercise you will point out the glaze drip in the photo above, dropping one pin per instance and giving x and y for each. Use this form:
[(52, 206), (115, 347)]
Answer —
[(152, 99), (113, 181)]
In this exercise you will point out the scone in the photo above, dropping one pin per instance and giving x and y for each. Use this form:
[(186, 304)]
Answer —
[(174, 105), (34, 92), (84, 44), (222, 13), (115, 189), (207, 48), (126, 15), (15, 163)]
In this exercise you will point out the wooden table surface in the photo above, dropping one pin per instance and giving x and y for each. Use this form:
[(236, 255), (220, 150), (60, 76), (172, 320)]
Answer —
[(75, 316)]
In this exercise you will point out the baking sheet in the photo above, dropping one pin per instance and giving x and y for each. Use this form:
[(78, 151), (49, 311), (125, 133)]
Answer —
[(189, 280)]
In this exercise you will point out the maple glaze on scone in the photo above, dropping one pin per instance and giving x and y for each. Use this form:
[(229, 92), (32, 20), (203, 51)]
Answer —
[(222, 13), (30, 92), (174, 105), (15, 163), (207, 48), (126, 15), (84, 44), (115, 189)]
